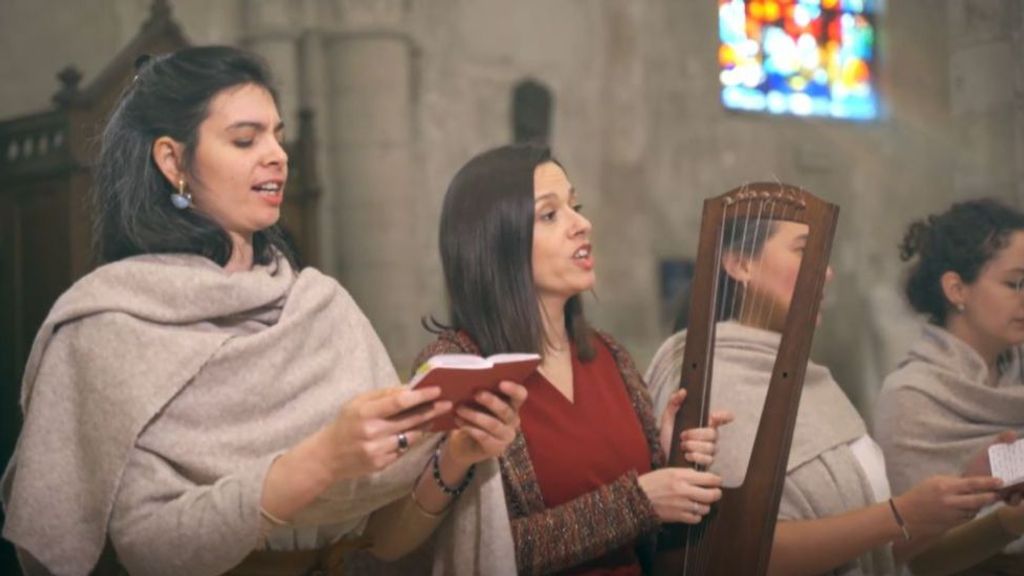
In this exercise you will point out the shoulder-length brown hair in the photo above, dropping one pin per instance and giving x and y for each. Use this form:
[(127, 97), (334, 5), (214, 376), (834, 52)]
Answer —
[(486, 241)]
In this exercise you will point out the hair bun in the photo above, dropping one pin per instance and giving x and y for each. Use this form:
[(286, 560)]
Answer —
[(915, 239)]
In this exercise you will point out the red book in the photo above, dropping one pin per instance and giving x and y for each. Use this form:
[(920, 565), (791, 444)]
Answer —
[(460, 376)]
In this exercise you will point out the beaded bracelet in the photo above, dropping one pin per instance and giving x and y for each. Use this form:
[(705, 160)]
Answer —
[(435, 464), (899, 520)]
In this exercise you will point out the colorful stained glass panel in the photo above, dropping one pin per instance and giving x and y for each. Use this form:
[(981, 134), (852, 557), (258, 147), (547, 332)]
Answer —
[(802, 57)]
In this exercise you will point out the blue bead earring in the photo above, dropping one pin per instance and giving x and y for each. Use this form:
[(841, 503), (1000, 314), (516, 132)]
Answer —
[(181, 199)]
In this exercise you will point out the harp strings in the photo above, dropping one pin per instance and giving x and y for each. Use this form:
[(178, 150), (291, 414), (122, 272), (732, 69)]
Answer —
[(747, 303), (788, 213), (750, 222), (743, 244), (764, 225), (695, 557)]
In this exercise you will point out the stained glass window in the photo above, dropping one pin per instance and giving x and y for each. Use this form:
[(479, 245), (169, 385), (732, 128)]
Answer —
[(802, 57)]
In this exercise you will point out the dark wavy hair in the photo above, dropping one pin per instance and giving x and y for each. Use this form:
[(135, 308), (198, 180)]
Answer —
[(486, 241), (962, 240), (169, 96)]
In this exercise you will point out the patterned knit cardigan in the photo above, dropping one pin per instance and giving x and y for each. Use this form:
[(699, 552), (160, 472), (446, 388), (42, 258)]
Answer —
[(548, 540)]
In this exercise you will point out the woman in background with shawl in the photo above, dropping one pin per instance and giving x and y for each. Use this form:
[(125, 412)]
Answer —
[(198, 400), (836, 515), (961, 384)]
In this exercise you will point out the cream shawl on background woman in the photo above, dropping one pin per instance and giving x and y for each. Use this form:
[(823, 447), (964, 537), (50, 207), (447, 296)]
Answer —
[(262, 358), (823, 477), (937, 410)]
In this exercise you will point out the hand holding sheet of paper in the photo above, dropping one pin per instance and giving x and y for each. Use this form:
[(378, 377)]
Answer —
[(1006, 462)]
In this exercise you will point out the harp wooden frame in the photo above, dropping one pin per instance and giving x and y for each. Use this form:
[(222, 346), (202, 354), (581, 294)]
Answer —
[(736, 537)]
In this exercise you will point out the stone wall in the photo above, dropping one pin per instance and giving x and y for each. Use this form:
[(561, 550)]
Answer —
[(405, 91)]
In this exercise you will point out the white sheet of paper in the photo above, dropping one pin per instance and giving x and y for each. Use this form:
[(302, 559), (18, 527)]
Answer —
[(1007, 462)]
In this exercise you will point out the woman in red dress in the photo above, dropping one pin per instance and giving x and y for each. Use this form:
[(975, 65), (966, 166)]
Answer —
[(583, 479)]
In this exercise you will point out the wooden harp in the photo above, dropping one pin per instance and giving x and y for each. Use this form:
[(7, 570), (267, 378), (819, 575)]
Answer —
[(735, 537)]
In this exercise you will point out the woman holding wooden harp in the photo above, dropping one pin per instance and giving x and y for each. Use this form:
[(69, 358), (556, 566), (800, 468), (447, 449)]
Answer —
[(585, 482), (805, 489)]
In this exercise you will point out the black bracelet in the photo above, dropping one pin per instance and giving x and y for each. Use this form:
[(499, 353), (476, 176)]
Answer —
[(435, 464), (899, 520)]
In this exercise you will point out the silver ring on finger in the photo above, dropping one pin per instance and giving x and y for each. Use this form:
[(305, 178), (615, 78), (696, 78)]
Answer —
[(403, 442), (695, 507)]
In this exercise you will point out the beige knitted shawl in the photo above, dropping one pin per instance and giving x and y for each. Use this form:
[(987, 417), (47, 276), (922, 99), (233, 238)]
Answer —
[(937, 409), (823, 478), (126, 339)]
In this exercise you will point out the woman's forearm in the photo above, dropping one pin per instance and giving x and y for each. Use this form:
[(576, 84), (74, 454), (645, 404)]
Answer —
[(599, 521), (165, 523), (817, 546), (964, 546), (295, 479), (404, 525)]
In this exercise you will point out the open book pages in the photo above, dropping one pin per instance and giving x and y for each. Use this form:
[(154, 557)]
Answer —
[(461, 376), (469, 362), (1007, 462)]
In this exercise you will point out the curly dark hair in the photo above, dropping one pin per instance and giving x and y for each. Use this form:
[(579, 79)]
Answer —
[(962, 240)]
